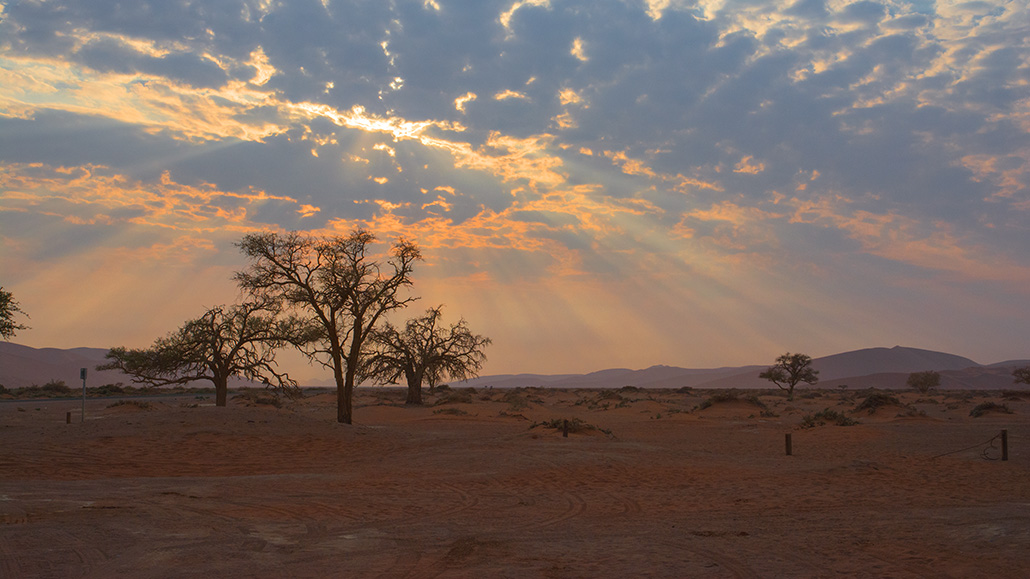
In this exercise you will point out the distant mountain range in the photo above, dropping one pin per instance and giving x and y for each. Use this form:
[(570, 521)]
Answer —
[(872, 367)]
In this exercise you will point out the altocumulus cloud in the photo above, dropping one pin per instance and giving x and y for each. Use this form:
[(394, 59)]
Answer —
[(693, 183)]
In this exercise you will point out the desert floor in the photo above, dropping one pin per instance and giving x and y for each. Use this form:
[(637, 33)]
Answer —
[(464, 487)]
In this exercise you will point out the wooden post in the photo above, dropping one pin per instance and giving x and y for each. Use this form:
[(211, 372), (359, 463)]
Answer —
[(68, 418), (789, 446), (1004, 444), (565, 429)]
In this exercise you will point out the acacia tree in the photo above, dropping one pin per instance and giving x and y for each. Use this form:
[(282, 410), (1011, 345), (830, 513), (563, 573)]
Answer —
[(423, 351), (1022, 375), (923, 382), (789, 370), (339, 288), (239, 340), (8, 308)]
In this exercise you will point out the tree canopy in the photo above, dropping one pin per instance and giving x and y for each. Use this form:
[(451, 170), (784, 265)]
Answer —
[(337, 286), (923, 382), (789, 370), (8, 308), (1022, 375), (424, 351), (239, 340)]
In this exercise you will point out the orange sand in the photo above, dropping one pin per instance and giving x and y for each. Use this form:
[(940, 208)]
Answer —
[(180, 490)]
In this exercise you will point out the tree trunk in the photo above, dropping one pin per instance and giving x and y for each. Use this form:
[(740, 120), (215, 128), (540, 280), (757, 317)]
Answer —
[(343, 409), (414, 388), (221, 390)]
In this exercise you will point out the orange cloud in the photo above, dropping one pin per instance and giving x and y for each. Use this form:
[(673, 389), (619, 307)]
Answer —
[(746, 166), (92, 194)]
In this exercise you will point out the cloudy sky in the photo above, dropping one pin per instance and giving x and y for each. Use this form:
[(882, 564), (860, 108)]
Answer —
[(594, 183)]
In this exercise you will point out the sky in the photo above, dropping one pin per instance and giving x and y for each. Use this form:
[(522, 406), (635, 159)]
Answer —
[(594, 183)]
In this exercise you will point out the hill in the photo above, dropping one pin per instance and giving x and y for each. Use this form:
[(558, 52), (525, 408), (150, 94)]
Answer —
[(22, 366)]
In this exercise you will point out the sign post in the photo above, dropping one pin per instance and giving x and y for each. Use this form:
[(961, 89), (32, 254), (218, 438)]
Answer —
[(82, 374)]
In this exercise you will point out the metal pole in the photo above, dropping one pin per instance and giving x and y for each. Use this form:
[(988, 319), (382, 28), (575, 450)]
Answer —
[(82, 374)]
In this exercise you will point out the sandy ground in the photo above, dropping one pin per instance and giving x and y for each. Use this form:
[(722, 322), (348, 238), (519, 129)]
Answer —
[(469, 489)]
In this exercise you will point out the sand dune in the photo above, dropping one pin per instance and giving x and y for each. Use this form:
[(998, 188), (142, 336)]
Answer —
[(652, 483)]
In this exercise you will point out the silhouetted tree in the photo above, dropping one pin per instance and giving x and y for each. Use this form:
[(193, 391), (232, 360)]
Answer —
[(339, 289), (789, 370), (423, 352), (923, 382), (8, 309), (238, 340), (1022, 375)]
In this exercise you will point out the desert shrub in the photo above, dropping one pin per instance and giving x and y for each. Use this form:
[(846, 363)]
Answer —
[(827, 416), (811, 394), (629, 389), (454, 396), (985, 407), (1006, 394), (923, 382), (609, 395), (137, 403), (877, 400), (575, 425), (259, 397), (684, 390), (108, 390), (56, 387), (451, 411), (515, 400), (730, 396), (52, 389)]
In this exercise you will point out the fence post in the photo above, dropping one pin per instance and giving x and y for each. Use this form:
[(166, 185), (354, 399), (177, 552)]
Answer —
[(68, 418), (1004, 444), (565, 429), (790, 447)]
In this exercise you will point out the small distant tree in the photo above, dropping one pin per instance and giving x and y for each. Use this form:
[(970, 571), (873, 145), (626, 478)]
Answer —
[(239, 340), (923, 382), (337, 286), (1022, 375), (790, 370), (423, 352), (8, 308)]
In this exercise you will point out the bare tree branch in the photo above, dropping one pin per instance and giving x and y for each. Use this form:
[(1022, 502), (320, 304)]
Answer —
[(337, 287), (423, 352)]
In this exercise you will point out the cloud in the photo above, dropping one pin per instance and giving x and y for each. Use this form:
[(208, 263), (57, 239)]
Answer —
[(721, 157)]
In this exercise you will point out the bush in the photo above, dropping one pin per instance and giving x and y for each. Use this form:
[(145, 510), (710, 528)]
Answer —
[(827, 415), (56, 387), (259, 397), (453, 396), (985, 407), (923, 382), (609, 395), (452, 411), (575, 425), (109, 389), (877, 400), (137, 403), (730, 396), (515, 400)]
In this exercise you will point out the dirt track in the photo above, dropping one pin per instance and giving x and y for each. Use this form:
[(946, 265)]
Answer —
[(675, 491)]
